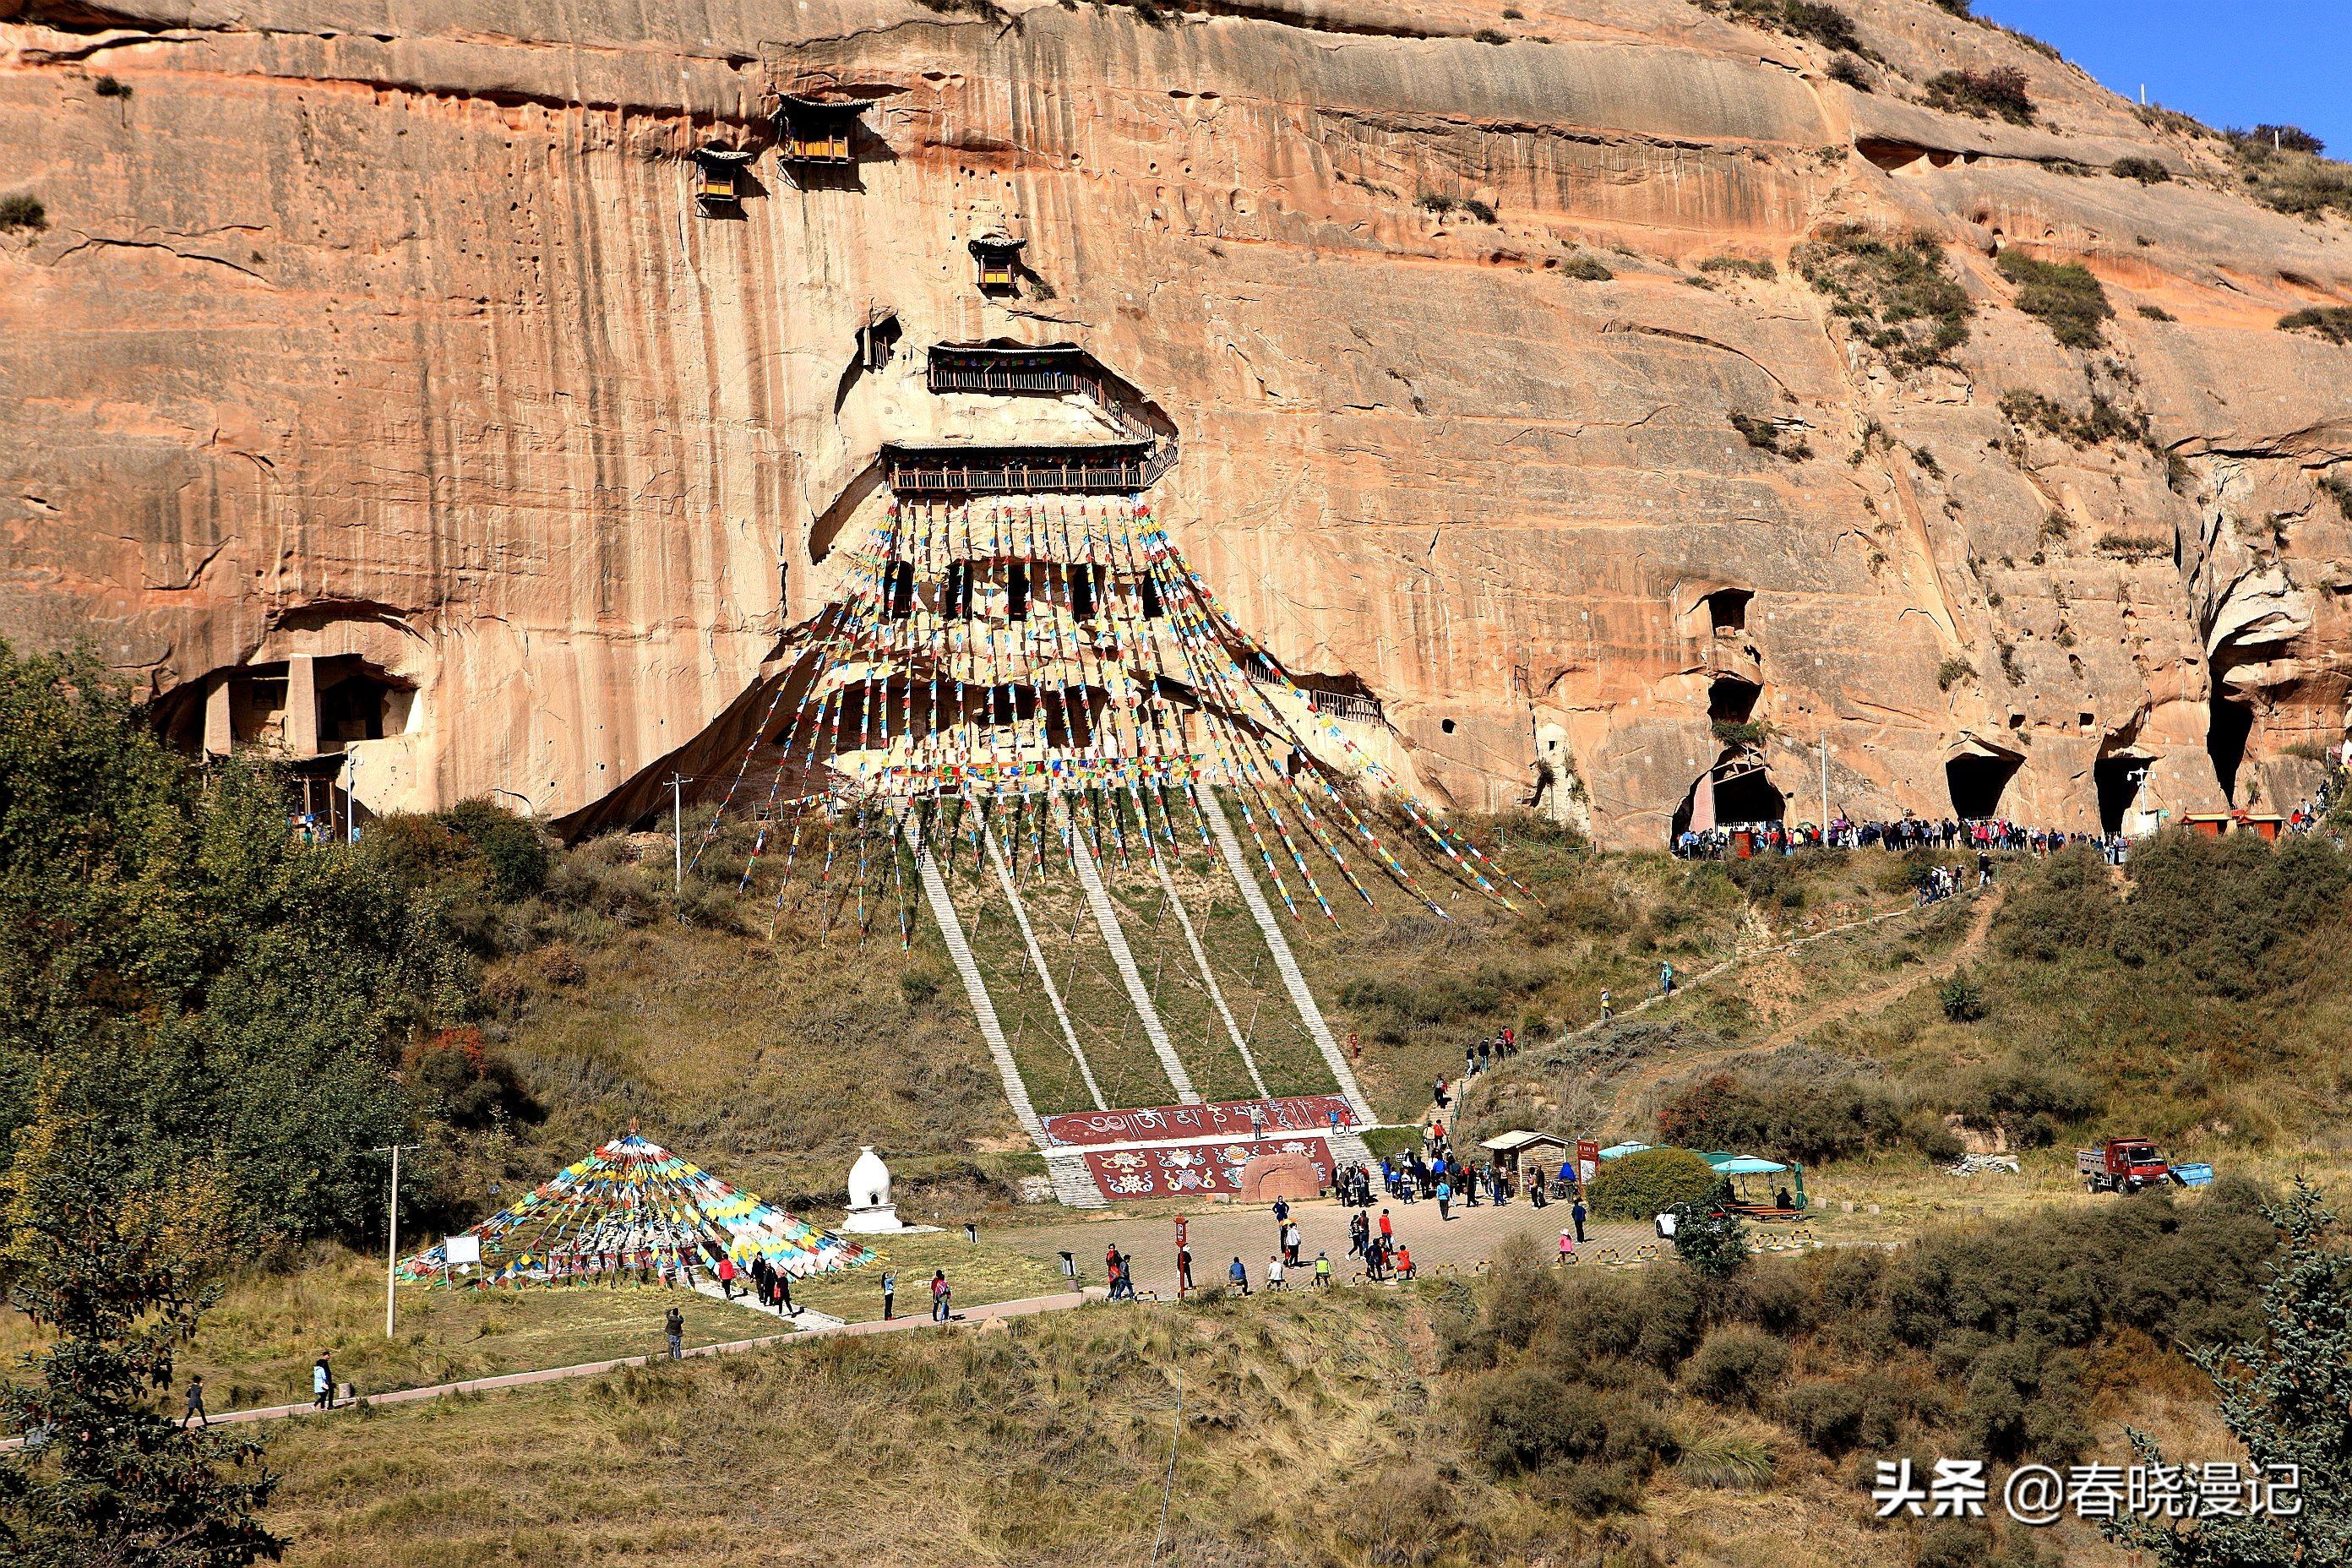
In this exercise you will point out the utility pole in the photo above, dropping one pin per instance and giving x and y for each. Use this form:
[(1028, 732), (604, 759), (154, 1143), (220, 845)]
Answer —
[(678, 832), (1825, 789), (392, 1231)]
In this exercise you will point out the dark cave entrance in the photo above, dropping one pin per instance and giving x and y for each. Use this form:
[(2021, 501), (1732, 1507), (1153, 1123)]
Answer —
[(1730, 700), (1977, 784), (2119, 779), (1749, 796), (2226, 730)]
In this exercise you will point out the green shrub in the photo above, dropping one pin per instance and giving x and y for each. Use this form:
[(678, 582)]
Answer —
[(2001, 90), (2283, 138), (1837, 1416), (1640, 1185), (1741, 266), (110, 87), (1900, 293), (1952, 671), (1525, 1419), (2064, 297), (21, 210), (1491, 35), (1584, 268), (1736, 1366), (2333, 322), (2135, 546), (1712, 1241), (1849, 70), (2157, 313), (1961, 997), (1807, 1120), (2147, 171)]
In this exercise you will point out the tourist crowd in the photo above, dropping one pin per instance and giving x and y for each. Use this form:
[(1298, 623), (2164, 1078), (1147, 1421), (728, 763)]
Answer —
[(1983, 834)]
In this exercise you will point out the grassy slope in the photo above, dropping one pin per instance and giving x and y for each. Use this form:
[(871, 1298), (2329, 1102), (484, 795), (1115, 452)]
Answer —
[(1309, 1435)]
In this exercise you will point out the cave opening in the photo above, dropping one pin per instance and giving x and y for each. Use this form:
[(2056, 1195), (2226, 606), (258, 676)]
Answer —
[(2119, 779), (1731, 700), (1731, 793), (1749, 796), (2227, 726), (1977, 784), (361, 705), (1726, 609)]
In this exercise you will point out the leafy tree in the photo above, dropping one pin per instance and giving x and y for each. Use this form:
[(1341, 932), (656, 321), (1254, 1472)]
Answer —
[(240, 997), (1636, 1186), (1711, 1240), (2289, 1401), (115, 1264)]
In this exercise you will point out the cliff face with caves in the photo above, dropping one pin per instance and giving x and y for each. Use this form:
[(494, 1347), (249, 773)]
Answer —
[(394, 338)]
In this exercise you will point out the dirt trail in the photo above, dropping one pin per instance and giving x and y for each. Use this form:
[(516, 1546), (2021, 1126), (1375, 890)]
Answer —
[(1867, 1004), (1987, 902)]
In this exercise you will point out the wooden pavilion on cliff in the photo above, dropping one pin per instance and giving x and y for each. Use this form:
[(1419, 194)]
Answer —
[(818, 130), (720, 189)]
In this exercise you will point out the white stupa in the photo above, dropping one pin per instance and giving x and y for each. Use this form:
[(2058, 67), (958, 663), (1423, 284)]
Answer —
[(871, 1212)]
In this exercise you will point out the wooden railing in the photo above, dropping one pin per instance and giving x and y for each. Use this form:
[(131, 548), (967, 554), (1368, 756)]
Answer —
[(1013, 476)]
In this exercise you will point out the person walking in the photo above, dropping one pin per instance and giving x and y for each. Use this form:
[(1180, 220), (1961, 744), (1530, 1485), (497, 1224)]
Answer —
[(1238, 1276), (1273, 1272), (1566, 1247), (1667, 978), (889, 1296), (1607, 1012), (1291, 1242), (942, 1296), (674, 1328), (1576, 1212), (195, 1411), (1388, 1230), (784, 1293), (726, 1277), (323, 1384), (1445, 1200)]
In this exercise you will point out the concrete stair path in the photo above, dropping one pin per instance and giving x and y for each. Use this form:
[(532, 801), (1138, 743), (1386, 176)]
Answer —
[(1074, 1184)]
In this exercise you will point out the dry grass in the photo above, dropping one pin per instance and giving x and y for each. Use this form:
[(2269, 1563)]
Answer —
[(257, 1347)]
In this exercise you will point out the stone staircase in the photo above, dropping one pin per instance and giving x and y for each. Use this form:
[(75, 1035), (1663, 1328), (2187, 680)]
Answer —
[(1074, 1184)]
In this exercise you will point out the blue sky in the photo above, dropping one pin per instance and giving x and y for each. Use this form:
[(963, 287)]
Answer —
[(2228, 62)]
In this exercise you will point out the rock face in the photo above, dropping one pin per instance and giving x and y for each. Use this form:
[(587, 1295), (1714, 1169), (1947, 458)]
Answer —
[(378, 384)]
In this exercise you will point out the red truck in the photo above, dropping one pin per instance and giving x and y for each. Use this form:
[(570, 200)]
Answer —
[(2123, 1165)]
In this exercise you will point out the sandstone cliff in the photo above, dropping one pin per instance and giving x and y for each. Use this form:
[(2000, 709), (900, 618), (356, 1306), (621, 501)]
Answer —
[(394, 337)]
